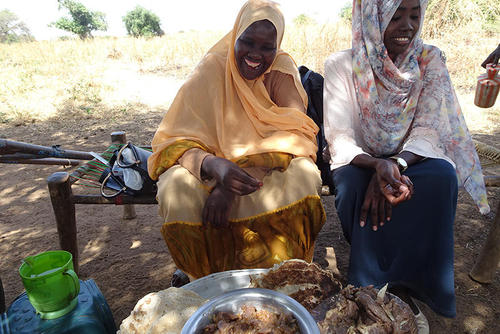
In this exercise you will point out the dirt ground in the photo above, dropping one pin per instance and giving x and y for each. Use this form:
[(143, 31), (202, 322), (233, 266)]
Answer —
[(128, 258)]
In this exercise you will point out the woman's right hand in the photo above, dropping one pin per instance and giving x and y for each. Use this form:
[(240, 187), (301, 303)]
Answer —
[(395, 187), (229, 175)]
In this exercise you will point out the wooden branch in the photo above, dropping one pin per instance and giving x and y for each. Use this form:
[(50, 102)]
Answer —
[(61, 197), (2, 298), (119, 200), (11, 146), (42, 161), (489, 258)]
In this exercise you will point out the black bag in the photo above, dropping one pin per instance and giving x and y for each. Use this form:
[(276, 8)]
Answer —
[(313, 85), (127, 173)]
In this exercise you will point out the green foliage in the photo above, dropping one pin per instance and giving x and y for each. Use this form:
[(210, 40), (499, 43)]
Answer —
[(82, 22), (444, 16), (12, 30), (141, 22), (346, 12), (86, 91), (303, 19)]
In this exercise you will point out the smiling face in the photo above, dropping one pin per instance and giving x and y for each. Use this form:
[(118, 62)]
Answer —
[(402, 28), (255, 49)]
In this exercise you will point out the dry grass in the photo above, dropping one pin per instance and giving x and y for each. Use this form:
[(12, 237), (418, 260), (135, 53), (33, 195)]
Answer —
[(74, 78), (310, 45)]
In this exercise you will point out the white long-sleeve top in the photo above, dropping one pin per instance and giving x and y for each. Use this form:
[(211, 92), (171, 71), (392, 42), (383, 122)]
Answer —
[(341, 118)]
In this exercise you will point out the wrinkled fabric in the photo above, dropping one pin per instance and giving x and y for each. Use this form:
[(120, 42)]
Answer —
[(410, 98), (230, 116), (278, 222)]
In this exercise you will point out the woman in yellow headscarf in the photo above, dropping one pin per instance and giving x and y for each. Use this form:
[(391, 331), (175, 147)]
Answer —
[(234, 155)]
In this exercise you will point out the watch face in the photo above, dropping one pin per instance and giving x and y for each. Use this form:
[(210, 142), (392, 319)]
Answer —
[(402, 164)]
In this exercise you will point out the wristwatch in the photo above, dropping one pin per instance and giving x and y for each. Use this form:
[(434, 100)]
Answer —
[(402, 165)]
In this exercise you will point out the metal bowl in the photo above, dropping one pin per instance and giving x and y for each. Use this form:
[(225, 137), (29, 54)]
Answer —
[(268, 300), (216, 284)]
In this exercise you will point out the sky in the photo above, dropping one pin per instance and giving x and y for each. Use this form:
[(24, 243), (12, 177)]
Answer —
[(175, 15)]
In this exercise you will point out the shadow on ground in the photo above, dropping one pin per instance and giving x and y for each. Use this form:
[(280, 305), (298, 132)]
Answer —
[(128, 258)]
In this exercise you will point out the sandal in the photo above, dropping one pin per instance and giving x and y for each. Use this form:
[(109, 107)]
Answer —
[(420, 319), (179, 278), (422, 323)]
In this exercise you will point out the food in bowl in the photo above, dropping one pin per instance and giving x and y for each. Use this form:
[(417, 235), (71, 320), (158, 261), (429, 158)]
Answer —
[(305, 282), (252, 321), (365, 310), (231, 303)]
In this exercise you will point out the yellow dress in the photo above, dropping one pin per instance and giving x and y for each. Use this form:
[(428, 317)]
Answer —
[(219, 112)]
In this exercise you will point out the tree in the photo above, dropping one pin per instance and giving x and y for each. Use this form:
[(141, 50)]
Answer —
[(82, 22), (444, 16), (346, 13), (142, 22), (13, 30), (303, 20)]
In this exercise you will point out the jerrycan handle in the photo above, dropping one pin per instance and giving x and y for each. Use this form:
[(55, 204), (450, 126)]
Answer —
[(492, 71), (74, 278)]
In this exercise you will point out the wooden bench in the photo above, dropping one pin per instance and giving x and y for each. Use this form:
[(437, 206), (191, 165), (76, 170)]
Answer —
[(64, 199)]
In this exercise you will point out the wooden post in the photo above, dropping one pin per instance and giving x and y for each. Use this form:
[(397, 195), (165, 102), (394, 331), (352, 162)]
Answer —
[(119, 137), (64, 210), (489, 258), (2, 298)]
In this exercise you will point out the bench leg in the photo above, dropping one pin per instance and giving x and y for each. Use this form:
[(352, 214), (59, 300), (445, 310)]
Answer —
[(487, 263), (64, 210), (2, 299), (119, 137)]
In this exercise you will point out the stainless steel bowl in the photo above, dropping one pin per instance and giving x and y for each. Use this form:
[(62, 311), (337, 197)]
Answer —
[(268, 300), (216, 284)]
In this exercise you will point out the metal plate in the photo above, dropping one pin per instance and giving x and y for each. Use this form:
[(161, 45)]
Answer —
[(216, 284)]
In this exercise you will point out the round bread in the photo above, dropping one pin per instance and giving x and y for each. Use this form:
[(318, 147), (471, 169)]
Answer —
[(162, 312)]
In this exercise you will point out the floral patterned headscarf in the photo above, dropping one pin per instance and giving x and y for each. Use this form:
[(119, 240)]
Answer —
[(408, 98)]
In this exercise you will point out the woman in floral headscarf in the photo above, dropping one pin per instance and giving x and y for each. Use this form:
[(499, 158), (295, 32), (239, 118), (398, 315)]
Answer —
[(396, 135), (234, 155)]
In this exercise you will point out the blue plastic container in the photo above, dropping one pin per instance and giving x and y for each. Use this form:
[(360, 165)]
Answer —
[(91, 316)]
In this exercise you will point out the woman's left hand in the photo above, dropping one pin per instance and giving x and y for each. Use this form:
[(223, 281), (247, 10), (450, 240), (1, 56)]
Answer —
[(218, 207), (376, 204)]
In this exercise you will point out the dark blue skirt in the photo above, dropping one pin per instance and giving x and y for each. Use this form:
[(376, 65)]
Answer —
[(415, 248)]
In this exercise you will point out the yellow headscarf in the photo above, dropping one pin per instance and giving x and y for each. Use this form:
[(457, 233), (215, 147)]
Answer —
[(219, 111)]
